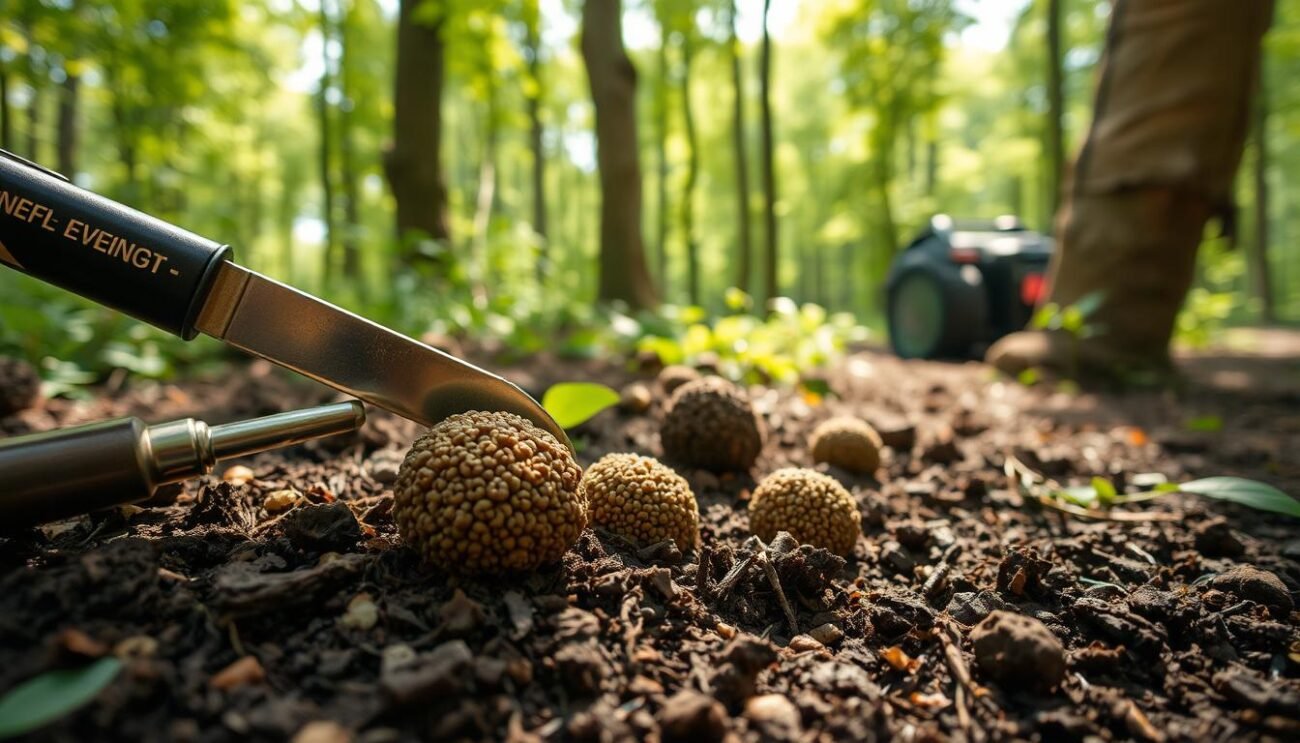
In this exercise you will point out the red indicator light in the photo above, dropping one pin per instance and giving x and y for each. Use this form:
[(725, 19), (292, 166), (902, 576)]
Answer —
[(964, 255), (1033, 289)]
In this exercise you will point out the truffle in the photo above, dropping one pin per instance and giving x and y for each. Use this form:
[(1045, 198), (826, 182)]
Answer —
[(848, 443), (672, 377), (641, 500), (489, 493), (711, 424), (814, 508), (20, 385)]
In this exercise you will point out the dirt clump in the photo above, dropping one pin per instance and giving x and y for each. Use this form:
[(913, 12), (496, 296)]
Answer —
[(1018, 651), (675, 375), (640, 499), (712, 424), (20, 386), (484, 493), (1257, 585), (324, 528)]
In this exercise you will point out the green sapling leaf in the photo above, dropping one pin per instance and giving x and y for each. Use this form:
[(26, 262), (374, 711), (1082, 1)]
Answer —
[(573, 403), (1257, 495), (51, 695)]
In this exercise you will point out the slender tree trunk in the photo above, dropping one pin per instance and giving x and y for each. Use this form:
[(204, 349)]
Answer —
[(485, 200), (348, 175), (692, 175), (6, 112), (1055, 109), (931, 162), (1259, 264), (661, 153), (34, 123), (744, 241), (325, 153), (413, 163), (771, 259), (623, 273), (533, 45), (69, 140)]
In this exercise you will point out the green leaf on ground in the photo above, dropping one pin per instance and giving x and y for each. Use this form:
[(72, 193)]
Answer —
[(1105, 491), (49, 696), (1257, 495), (1205, 424), (574, 403)]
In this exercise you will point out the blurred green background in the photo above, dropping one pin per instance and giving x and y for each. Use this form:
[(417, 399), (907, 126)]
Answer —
[(266, 125)]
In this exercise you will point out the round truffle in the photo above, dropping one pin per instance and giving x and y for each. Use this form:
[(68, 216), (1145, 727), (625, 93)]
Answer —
[(489, 493), (20, 385), (641, 500), (848, 443), (676, 375), (711, 424), (814, 508)]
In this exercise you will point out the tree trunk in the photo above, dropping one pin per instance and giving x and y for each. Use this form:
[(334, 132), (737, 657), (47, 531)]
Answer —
[(1259, 268), (1055, 109), (413, 163), (533, 45), (623, 273), (485, 200), (69, 139), (661, 152), (34, 123), (6, 112), (692, 176), (348, 176), (771, 260), (325, 153), (744, 243)]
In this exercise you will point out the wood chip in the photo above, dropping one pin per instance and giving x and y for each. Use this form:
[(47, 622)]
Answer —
[(247, 670)]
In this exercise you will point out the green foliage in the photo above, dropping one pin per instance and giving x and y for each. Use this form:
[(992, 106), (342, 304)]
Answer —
[(573, 403), (1257, 495), (53, 694)]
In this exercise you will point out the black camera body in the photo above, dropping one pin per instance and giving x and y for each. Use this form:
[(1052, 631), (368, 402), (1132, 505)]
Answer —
[(962, 284)]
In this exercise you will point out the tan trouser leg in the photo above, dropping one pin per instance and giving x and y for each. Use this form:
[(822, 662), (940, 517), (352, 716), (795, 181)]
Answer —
[(1172, 111)]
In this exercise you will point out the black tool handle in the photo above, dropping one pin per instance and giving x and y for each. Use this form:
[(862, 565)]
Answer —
[(102, 250), (58, 474)]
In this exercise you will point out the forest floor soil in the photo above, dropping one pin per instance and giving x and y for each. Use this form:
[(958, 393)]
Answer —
[(236, 623)]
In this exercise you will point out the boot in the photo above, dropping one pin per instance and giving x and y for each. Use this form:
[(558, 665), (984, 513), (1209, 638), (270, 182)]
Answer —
[(1131, 256), (1170, 121)]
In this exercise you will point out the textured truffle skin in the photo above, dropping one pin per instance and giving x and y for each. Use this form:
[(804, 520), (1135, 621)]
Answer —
[(848, 443), (489, 493), (711, 424), (641, 500), (814, 508), (20, 385), (676, 375)]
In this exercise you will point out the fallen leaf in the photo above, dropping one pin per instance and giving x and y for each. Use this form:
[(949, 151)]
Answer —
[(899, 660), (246, 670)]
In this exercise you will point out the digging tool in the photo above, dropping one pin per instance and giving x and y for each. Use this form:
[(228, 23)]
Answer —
[(186, 284), (58, 474)]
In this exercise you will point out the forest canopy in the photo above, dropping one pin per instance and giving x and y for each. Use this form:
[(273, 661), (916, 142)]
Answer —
[(434, 164)]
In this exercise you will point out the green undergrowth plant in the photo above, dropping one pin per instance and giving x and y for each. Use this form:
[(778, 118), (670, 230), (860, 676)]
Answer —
[(1099, 498), (52, 695)]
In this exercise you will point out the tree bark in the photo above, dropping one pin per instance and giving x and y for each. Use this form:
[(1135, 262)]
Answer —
[(533, 45), (69, 139), (34, 123), (325, 152), (692, 176), (6, 112), (661, 153), (1259, 264), (1055, 109), (413, 163), (771, 259), (744, 242), (348, 175), (623, 272)]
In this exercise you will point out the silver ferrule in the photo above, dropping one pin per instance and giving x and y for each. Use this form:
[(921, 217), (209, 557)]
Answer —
[(186, 448)]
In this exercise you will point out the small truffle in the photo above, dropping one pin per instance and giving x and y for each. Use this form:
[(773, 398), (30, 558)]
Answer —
[(20, 386), (672, 377), (711, 424), (848, 443), (1018, 651), (641, 500), (489, 493), (814, 508)]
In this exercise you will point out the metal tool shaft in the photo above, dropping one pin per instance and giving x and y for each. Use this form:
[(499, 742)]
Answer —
[(58, 474)]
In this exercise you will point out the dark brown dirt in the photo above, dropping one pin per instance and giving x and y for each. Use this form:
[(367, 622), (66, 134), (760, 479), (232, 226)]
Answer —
[(240, 624)]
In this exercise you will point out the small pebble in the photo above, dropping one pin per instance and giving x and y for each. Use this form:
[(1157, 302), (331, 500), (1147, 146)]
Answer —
[(281, 501), (775, 716), (362, 613), (323, 731), (1260, 586), (691, 716), (805, 643), (826, 634), (247, 670), (238, 475)]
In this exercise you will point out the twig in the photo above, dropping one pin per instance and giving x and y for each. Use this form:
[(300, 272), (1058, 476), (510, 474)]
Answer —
[(939, 578), (775, 580)]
